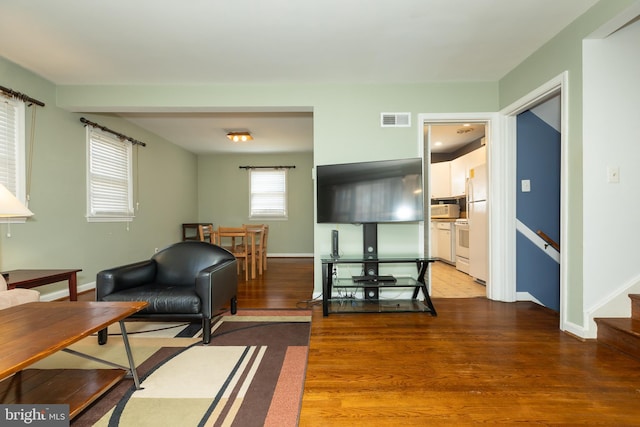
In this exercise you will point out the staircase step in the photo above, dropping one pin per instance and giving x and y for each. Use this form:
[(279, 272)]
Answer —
[(621, 333), (635, 306)]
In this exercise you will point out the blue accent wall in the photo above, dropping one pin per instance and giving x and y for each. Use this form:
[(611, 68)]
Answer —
[(537, 273), (538, 160)]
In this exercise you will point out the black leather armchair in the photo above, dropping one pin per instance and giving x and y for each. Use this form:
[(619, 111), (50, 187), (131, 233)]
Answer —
[(187, 280)]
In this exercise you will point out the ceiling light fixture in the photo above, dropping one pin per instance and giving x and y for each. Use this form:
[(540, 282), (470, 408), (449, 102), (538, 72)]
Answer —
[(464, 130), (239, 136)]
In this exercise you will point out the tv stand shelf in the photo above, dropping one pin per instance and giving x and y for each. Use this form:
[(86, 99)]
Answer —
[(375, 304)]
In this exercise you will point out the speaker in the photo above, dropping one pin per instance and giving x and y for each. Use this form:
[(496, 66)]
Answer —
[(334, 244), (370, 251), (371, 293), (370, 241)]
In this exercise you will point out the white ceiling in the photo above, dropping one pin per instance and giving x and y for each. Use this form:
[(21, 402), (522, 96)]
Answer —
[(205, 133), (278, 41), (448, 138)]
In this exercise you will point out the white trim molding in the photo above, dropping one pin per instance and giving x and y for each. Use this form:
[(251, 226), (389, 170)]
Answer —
[(495, 284), (526, 296), (538, 241), (64, 293), (558, 85)]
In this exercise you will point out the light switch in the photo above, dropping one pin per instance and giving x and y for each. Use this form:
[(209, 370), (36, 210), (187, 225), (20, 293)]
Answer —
[(526, 185), (613, 175)]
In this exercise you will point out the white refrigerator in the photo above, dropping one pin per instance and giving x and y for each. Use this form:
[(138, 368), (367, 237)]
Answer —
[(478, 222)]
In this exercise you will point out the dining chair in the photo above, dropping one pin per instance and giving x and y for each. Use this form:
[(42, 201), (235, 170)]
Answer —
[(206, 233), (234, 239), (265, 239), (259, 233)]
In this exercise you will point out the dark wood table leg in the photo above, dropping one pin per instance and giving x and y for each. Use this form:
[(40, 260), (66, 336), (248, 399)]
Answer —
[(73, 287)]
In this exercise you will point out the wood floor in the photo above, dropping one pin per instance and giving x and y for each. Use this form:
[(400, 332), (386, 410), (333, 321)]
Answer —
[(477, 362)]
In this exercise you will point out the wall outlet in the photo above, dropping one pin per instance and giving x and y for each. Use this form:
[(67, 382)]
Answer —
[(613, 175)]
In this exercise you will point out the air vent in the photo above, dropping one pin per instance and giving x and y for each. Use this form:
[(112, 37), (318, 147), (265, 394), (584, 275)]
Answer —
[(395, 120)]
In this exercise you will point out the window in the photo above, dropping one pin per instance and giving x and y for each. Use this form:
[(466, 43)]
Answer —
[(12, 147), (109, 178), (268, 193)]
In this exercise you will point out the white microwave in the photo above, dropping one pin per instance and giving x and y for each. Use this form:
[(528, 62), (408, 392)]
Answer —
[(445, 211)]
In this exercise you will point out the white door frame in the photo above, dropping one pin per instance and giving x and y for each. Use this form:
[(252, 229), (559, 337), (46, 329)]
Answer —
[(494, 288), (505, 153)]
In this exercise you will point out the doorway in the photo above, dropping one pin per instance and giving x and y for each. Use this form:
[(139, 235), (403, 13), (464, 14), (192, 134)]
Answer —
[(454, 146), (538, 142), (505, 251)]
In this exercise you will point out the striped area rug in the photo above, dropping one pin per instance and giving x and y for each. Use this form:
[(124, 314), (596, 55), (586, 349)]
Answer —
[(251, 374)]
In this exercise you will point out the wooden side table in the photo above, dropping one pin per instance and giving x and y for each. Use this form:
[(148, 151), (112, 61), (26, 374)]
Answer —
[(33, 278)]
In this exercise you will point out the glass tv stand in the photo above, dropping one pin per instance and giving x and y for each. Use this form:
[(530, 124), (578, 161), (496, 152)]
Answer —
[(372, 285)]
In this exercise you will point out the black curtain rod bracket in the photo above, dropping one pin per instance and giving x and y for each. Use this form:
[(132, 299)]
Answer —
[(106, 129), (21, 96), (266, 167)]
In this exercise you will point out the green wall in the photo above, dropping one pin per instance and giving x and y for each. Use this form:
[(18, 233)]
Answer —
[(58, 235), (223, 197), (346, 122), (174, 184)]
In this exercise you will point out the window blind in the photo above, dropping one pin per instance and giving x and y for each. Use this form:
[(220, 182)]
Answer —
[(268, 193), (9, 143), (110, 187)]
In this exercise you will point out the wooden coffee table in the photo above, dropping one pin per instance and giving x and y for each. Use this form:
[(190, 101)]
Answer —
[(33, 331)]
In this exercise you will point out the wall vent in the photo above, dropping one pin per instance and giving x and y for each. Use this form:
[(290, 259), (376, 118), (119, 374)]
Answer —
[(395, 120)]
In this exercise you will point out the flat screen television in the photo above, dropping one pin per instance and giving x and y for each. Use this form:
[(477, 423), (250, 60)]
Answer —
[(370, 192)]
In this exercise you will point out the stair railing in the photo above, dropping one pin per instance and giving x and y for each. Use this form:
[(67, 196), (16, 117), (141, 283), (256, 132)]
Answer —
[(548, 240)]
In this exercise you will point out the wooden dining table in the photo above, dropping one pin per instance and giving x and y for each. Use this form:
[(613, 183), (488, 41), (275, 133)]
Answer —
[(253, 236)]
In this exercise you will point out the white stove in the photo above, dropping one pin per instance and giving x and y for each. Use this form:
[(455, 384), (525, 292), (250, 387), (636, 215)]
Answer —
[(462, 245)]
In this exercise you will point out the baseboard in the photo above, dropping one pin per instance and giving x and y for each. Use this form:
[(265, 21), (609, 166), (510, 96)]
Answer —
[(287, 255), (526, 296), (64, 293), (615, 304), (577, 330)]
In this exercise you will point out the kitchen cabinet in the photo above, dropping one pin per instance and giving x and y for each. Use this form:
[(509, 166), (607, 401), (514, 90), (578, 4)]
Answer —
[(458, 176), (460, 169), (475, 158), (445, 236), (440, 180)]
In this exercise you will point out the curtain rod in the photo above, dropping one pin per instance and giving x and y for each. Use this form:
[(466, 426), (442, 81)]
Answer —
[(106, 129), (266, 167), (21, 96)]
